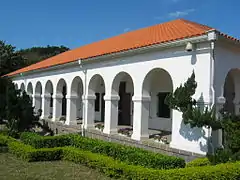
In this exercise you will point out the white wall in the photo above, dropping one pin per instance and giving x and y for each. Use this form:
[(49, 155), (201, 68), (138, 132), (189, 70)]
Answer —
[(227, 57), (178, 63)]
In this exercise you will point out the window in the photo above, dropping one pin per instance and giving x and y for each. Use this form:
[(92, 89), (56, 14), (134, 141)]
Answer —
[(51, 100), (162, 109), (97, 102)]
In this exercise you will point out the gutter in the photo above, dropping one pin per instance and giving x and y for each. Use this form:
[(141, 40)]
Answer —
[(175, 43), (212, 37)]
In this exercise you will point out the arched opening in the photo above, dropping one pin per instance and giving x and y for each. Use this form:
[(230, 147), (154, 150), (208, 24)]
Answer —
[(61, 92), (123, 87), (38, 97), (76, 106), (48, 100), (229, 92), (22, 87), (30, 90), (16, 86), (157, 85), (97, 88)]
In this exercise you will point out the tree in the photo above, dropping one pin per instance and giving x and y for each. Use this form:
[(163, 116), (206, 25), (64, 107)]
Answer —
[(181, 100), (10, 60), (16, 108), (36, 54), (192, 113)]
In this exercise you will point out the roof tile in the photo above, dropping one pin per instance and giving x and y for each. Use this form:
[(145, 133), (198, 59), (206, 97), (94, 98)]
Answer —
[(160, 33)]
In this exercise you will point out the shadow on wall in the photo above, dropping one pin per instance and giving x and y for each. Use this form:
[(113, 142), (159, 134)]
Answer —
[(194, 134)]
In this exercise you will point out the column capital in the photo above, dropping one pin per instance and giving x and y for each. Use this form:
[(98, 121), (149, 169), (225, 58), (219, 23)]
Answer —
[(36, 95), (46, 95), (89, 97), (71, 97), (141, 98), (111, 98), (57, 96)]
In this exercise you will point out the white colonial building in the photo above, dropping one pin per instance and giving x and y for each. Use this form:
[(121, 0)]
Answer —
[(123, 80)]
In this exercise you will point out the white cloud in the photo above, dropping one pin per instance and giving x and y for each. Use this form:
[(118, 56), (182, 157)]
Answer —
[(126, 29), (177, 14)]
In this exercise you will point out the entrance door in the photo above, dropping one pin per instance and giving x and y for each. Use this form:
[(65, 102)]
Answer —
[(126, 109), (124, 105)]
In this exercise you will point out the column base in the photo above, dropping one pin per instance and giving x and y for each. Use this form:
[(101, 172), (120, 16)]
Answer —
[(140, 137), (110, 131), (89, 126)]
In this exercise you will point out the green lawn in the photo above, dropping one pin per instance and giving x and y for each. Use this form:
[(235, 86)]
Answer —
[(12, 168)]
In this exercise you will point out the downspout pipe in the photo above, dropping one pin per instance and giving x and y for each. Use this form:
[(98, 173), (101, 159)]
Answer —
[(85, 90), (212, 37)]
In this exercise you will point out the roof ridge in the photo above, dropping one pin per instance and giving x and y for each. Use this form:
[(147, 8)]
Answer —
[(199, 25)]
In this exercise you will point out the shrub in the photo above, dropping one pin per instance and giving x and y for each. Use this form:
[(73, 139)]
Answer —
[(4, 140), (131, 155), (220, 156), (20, 150), (199, 162), (38, 141), (117, 169), (30, 154)]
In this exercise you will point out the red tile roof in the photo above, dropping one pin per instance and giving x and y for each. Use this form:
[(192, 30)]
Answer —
[(160, 33)]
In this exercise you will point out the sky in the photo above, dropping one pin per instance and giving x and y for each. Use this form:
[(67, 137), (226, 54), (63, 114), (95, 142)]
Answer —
[(74, 23)]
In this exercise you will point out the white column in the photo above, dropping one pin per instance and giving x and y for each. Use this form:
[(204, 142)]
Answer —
[(71, 118), (111, 114), (89, 114), (140, 117), (45, 106), (57, 106)]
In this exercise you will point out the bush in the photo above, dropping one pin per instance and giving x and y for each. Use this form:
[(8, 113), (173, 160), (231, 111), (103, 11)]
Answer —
[(117, 169), (38, 141), (220, 156), (131, 155), (199, 162), (30, 154), (4, 140)]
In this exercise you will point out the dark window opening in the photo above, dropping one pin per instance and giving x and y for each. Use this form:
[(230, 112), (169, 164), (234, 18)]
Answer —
[(163, 109), (97, 102), (51, 100)]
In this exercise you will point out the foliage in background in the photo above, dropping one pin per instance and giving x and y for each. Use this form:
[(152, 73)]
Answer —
[(36, 54), (11, 59)]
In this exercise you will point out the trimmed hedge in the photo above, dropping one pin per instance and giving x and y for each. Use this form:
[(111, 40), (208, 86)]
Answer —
[(38, 141), (5, 139), (130, 155), (30, 154), (116, 169), (199, 162)]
